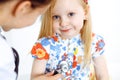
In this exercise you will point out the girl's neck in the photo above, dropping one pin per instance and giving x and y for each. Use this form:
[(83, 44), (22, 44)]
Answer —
[(69, 38)]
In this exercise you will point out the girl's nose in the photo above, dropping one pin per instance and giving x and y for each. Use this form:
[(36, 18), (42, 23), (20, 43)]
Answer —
[(64, 22)]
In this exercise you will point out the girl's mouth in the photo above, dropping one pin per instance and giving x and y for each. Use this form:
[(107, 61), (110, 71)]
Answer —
[(65, 30)]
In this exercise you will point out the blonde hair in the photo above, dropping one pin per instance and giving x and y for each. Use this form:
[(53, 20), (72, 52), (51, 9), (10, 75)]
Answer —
[(86, 31)]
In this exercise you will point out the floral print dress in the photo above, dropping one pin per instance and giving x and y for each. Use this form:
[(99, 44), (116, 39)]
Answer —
[(66, 56)]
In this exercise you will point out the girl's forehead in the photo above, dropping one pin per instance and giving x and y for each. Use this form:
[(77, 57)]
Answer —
[(66, 5), (69, 2)]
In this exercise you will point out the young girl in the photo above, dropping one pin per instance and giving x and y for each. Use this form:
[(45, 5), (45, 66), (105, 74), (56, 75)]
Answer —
[(67, 45), (16, 14)]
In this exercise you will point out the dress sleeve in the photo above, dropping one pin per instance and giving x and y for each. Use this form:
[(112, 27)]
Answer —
[(98, 45), (39, 52)]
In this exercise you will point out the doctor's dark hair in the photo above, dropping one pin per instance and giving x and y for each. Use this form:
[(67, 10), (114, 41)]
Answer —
[(35, 3)]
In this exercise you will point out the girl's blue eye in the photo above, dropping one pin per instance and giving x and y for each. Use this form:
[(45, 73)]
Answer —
[(55, 17), (71, 14)]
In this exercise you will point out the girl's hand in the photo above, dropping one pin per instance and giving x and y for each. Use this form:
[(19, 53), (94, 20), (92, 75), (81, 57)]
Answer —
[(38, 71)]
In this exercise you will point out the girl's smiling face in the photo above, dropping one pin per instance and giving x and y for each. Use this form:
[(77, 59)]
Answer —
[(68, 17)]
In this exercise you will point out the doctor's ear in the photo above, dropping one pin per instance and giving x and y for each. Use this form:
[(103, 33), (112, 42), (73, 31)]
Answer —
[(22, 8)]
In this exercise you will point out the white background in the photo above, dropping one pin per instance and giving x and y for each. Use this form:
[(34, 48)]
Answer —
[(106, 22)]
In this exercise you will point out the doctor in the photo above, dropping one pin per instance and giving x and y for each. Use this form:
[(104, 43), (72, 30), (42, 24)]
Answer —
[(16, 14)]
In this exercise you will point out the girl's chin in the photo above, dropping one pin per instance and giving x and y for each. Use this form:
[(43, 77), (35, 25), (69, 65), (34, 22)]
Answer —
[(67, 37)]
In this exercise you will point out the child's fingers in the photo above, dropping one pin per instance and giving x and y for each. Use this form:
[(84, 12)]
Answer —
[(50, 76), (57, 76), (50, 73)]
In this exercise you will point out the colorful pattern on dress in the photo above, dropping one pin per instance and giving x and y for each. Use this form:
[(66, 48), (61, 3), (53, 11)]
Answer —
[(66, 56)]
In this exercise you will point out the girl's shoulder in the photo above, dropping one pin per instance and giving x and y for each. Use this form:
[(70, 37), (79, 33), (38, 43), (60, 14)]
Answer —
[(50, 39), (97, 37), (98, 45)]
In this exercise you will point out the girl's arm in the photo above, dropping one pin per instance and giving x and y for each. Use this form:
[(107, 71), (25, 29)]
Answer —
[(101, 68), (38, 70)]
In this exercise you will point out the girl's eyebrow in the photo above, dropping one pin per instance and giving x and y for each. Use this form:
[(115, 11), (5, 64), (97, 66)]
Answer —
[(56, 12)]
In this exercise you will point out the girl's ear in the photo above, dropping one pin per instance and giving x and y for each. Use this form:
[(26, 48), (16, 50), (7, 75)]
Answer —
[(22, 8), (86, 13)]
